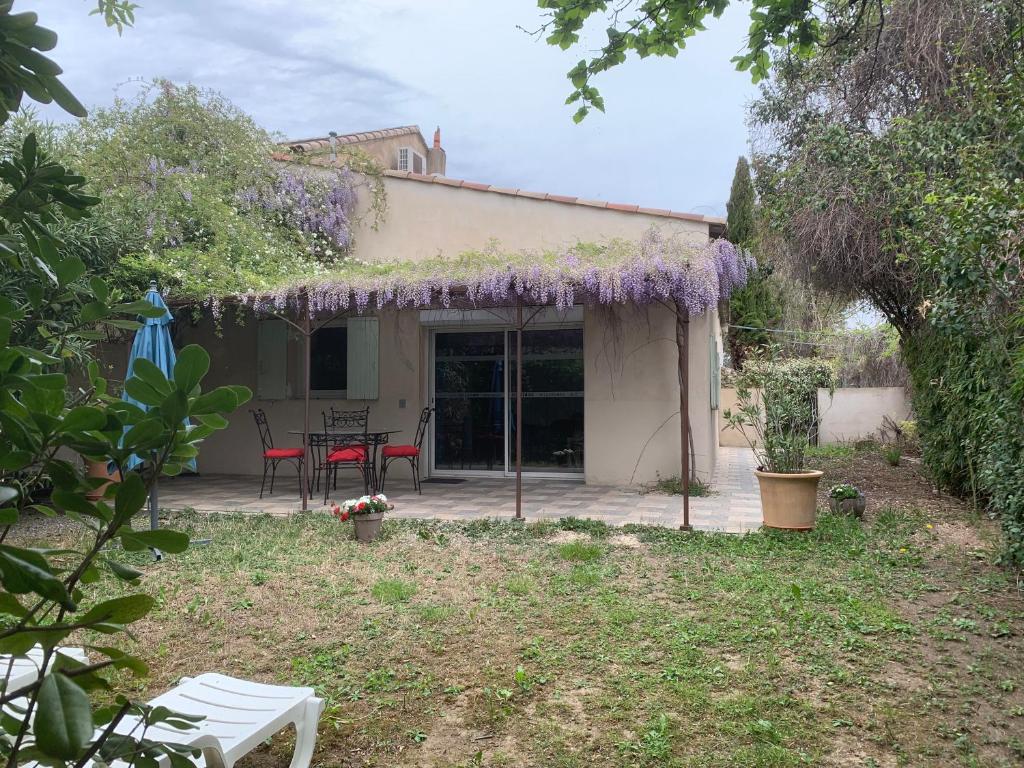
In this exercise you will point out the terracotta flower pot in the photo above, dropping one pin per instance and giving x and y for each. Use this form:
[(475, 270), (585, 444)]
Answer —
[(789, 501), (852, 507), (368, 526), (99, 469)]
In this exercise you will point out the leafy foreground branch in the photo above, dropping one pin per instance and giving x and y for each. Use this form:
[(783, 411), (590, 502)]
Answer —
[(44, 422)]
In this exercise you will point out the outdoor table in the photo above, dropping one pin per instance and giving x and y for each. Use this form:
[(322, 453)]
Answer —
[(329, 438)]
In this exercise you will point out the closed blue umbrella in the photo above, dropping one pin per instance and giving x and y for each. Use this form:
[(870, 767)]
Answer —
[(152, 342)]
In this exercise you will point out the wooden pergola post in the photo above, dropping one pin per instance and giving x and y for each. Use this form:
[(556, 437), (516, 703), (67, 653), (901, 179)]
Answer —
[(683, 347)]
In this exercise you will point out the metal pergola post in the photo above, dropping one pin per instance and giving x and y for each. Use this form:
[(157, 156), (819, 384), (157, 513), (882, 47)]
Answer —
[(519, 409), (683, 347)]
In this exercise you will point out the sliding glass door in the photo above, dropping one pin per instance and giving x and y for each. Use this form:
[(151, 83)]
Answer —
[(474, 381)]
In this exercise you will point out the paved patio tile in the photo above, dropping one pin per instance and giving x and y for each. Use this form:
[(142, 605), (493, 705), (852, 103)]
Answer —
[(735, 507)]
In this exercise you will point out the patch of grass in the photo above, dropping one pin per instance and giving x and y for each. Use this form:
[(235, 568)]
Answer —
[(877, 640), (674, 487), (580, 551), (892, 455), (833, 451), (393, 591), (596, 528)]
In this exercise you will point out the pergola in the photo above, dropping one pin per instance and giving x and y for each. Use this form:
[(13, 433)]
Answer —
[(687, 278)]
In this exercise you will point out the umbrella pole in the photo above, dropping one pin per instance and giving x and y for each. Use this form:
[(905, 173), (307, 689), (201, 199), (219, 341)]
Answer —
[(519, 409), (307, 454)]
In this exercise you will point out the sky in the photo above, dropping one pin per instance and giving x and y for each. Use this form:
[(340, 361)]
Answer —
[(669, 139)]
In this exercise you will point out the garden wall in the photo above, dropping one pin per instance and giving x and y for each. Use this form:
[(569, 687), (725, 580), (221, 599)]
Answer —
[(848, 414)]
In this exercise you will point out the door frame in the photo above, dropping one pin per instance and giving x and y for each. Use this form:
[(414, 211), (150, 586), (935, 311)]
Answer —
[(509, 469)]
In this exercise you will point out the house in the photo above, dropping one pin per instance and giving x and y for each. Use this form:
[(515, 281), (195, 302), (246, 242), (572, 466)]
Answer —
[(601, 394)]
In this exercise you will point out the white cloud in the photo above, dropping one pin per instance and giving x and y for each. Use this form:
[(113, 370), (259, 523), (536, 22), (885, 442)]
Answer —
[(304, 67)]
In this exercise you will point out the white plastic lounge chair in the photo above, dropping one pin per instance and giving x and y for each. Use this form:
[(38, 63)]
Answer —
[(23, 670), (239, 714)]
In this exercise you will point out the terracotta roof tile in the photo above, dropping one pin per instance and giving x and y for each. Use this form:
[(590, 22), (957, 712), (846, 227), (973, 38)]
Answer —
[(561, 198), (716, 223), (306, 145)]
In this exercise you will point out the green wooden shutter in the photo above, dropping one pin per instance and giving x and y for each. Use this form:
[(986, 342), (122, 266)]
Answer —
[(363, 359), (271, 359), (716, 373)]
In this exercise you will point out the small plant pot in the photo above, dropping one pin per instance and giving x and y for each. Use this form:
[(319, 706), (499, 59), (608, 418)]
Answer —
[(789, 500), (368, 526), (852, 507), (99, 469)]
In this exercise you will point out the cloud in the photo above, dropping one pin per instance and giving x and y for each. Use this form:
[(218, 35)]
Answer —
[(304, 67)]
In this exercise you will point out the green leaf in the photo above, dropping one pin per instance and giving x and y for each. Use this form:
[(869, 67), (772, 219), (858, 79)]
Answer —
[(93, 311), (147, 371), (84, 418), (69, 270), (64, 98), (121, 659), (162, 538), (119, 610), (192, 364), (63, 721), (24, 571), (142, 392), (131, 495), (122, 571)]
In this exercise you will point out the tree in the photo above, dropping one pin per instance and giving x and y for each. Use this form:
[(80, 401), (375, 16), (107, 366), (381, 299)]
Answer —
[(662, 27), (740, 208), (45, 593), (757, 306)]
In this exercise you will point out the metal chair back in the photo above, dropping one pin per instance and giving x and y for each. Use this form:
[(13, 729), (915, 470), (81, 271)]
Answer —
[(421, 428), (353, 420), (264, 428)]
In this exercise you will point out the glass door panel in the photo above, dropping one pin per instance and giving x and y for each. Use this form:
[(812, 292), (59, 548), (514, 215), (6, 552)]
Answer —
[(469, 398), (552, 400)]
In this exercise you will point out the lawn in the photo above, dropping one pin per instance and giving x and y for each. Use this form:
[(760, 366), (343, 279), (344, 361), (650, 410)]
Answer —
[(893, 642)]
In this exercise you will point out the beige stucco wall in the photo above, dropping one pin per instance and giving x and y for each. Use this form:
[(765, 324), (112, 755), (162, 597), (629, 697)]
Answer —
[(631, 408), (849, 413), (631, 418), (631, 395), (852, 413), (426, 220), (730, 436)]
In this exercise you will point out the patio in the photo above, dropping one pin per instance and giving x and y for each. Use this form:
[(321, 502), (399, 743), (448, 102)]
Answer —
[(734, 507)]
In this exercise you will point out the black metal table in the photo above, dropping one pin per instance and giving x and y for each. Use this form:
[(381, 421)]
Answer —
[(323, 441)]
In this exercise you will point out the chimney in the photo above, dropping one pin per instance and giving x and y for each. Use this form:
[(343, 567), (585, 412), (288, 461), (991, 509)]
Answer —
[(436, 160)]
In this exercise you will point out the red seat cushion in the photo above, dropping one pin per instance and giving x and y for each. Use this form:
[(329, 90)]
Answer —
[(394, 451), (284, 453), (352, 453)]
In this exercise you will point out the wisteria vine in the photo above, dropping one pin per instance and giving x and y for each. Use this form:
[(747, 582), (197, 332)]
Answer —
[(655, 269)]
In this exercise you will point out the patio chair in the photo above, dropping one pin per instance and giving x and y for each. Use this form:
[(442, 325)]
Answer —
[(239, 716), (273, 456), (18, 671), (348, 450), (391, 453)]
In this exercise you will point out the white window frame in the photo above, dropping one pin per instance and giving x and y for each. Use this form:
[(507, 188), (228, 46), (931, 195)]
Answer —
[(409, 154)]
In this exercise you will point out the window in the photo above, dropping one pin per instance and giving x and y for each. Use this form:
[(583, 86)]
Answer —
[(329, 361), (410, 160)]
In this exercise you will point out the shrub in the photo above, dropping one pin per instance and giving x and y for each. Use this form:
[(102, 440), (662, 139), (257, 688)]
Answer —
[(781, 422), (892, 455)]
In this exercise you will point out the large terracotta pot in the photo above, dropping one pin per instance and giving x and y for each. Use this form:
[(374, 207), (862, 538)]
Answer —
[(99, 469), (368, 526), (789, 501)]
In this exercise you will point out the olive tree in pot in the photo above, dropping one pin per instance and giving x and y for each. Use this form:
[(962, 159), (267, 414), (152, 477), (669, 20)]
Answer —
[(777, 413)]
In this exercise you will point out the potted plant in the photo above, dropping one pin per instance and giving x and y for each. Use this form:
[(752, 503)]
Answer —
[(846, 499), (366, 512), (779, 419)]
